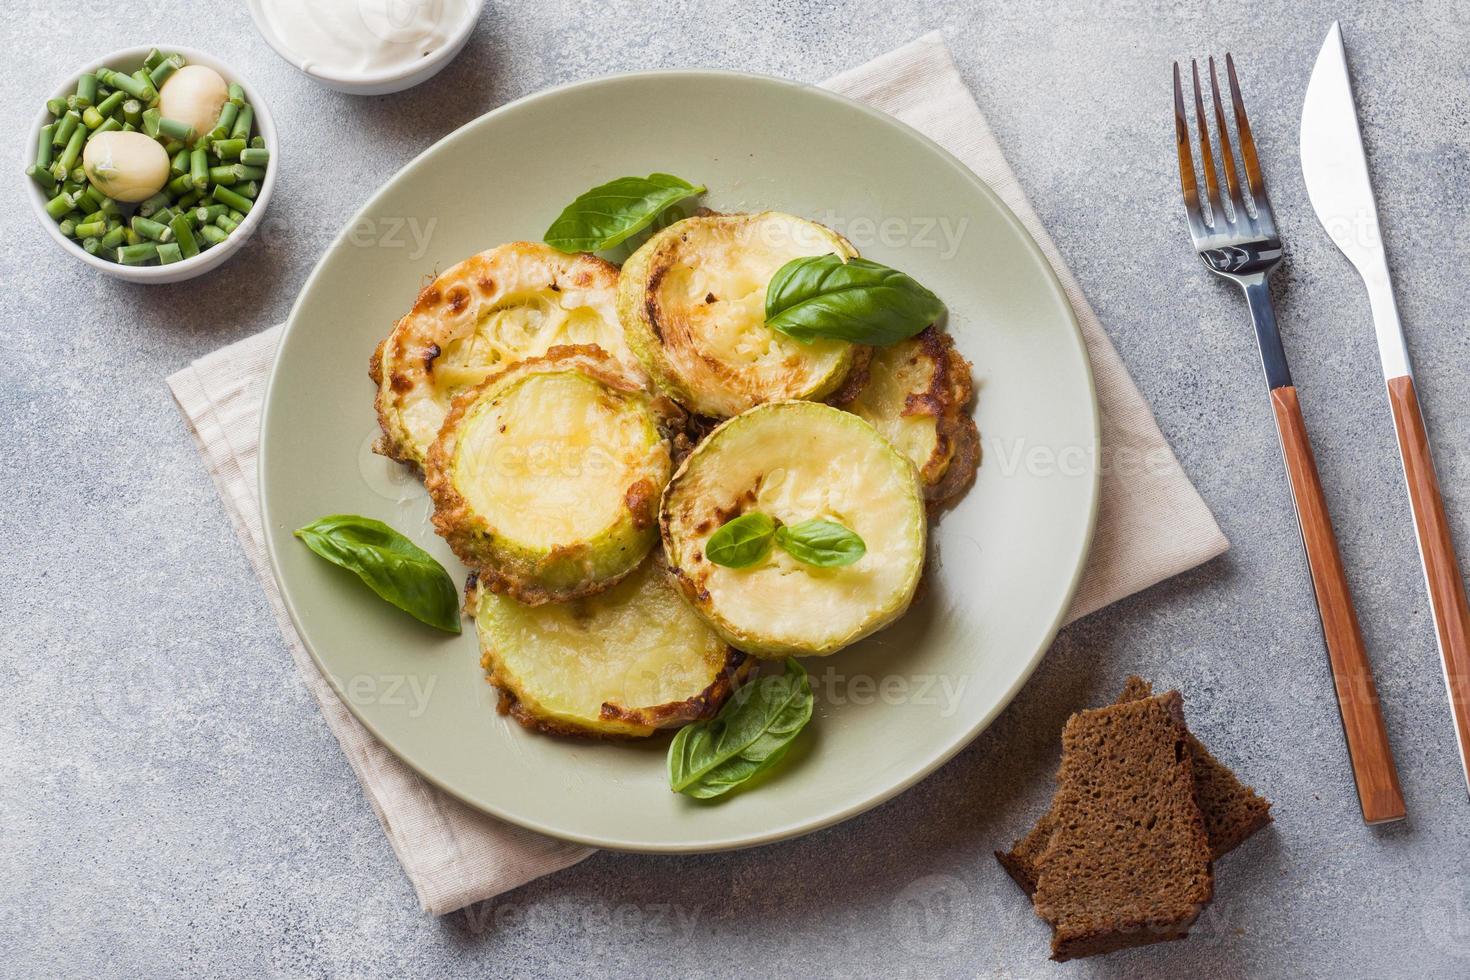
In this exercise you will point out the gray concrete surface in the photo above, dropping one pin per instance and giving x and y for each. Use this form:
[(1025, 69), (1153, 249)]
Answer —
[(172, 804)]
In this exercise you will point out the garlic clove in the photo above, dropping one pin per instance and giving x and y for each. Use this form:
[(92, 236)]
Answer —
[(194, 95), (125, 166)]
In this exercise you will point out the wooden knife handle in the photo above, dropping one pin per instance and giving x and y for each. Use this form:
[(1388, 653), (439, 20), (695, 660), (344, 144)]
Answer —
[(1357, 696), (1441, 567)]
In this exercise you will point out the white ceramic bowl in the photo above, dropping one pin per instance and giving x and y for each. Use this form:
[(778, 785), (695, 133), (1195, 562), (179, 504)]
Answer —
[(373, 83), (130, 59)]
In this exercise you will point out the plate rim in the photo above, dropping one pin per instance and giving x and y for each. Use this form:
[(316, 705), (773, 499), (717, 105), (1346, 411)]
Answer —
[(769, 835)]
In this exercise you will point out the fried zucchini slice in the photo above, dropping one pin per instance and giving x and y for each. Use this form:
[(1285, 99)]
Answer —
[(797, 461), (546, 477), (513, 302), (692, 301), (624, 663), (916, 393)]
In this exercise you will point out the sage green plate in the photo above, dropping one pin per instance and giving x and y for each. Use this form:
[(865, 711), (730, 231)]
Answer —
[(888, 711)]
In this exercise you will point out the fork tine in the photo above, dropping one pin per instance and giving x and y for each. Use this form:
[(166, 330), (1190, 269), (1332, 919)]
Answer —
[(1186, 161), (1248, 151), (1227, 157), (1206, 157)]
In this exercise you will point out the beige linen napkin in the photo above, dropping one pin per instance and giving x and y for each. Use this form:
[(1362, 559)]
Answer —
[(1152, 523)]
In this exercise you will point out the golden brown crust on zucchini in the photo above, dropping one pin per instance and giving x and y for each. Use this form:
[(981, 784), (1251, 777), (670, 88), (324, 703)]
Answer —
[(456, 521), (440, 336), (736, 669), (677, 714), (690, 301), (949, 469)]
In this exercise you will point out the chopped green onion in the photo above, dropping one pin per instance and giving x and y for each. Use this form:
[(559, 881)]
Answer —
[(65, 126), (243, 123), (184, 234), (226, 122), (137, 254), (45, 152), (150, 91), (110, 104), (86, 91), (199, 168), (153, 204), (174, 129), (43, 178), (149, 228), (63, 164), (90, 200), (224, 195), (108, 125), (125, 83), (160, 73)]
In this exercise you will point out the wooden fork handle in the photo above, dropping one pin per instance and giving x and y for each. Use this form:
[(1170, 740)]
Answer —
[(1352, 675), (1437, 548)]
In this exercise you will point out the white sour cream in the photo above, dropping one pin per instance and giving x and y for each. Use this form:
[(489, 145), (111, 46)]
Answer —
[(363, 36)]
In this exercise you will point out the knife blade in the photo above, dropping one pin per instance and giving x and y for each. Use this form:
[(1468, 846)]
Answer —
[(1341, 190)]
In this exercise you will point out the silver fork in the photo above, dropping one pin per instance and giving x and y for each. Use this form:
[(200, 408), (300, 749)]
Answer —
[(1241, 244)]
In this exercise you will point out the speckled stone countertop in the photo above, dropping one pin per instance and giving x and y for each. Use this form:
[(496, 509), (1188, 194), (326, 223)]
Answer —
[(172, 803)]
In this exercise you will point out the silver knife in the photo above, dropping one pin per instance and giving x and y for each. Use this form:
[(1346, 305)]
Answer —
[(1337, 178)]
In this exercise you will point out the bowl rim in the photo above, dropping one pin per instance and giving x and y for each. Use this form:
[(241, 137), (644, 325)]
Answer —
[(205, 260), (388, 76)]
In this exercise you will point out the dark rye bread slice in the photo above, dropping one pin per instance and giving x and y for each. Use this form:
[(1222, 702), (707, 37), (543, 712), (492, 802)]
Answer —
[(1232, 810), (1128, 863)]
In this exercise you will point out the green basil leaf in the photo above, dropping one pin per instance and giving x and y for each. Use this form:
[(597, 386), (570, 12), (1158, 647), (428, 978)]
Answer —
[(825, 544), (388, 563), (749, 735), (608, 215), (857, 300), (741, 542)]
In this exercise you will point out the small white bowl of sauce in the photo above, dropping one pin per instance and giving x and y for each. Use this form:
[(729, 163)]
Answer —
[(367, 47)]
